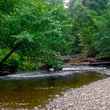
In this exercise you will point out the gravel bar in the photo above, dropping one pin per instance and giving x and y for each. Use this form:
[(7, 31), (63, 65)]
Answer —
[(95, 96)]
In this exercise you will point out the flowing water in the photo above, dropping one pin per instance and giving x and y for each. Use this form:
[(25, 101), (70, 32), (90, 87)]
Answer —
[(29, 90)]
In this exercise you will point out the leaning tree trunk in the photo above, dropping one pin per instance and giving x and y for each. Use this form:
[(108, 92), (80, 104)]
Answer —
[(10, 53)]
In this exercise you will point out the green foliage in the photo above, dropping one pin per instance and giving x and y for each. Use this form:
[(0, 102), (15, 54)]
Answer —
[(91, 26), (46, 30), (42, 28), (102, 39), (97, 5)]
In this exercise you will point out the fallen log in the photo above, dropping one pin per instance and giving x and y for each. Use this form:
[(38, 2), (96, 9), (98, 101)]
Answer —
[(99, 63)]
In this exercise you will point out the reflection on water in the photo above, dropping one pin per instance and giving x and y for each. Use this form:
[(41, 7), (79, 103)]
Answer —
[(33, 92)]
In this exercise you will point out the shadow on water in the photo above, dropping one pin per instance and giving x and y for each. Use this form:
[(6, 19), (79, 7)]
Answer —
[(33, 92)]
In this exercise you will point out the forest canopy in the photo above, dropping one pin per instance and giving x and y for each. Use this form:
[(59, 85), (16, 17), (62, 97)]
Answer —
[(45, 30)]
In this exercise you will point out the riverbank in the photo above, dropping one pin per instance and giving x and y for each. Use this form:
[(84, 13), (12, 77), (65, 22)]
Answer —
[(66, 71), (95, 96)]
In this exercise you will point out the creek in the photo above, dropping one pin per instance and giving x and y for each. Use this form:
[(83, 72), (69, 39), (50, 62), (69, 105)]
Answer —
[(30, 90)]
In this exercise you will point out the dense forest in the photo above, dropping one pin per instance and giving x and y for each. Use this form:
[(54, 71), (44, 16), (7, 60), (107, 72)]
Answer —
[(38, 32)]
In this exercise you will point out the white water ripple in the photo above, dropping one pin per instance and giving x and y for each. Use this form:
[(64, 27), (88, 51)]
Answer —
[(65, 71)]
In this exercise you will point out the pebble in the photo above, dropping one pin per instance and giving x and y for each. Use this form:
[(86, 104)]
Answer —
[(95, 96)]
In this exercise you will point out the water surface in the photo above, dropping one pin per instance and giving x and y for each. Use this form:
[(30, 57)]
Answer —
[(31, 92)]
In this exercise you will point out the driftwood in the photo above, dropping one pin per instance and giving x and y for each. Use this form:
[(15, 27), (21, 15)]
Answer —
[(87, 61), (100, 63)]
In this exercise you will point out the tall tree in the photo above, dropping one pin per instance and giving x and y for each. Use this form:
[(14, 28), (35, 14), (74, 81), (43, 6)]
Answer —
[(39, 25)]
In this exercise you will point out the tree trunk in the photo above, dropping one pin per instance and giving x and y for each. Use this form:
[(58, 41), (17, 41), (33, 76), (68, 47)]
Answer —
[(10, 53)]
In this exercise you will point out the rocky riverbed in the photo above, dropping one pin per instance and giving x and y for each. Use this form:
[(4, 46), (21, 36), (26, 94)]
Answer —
[(95, 96)]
